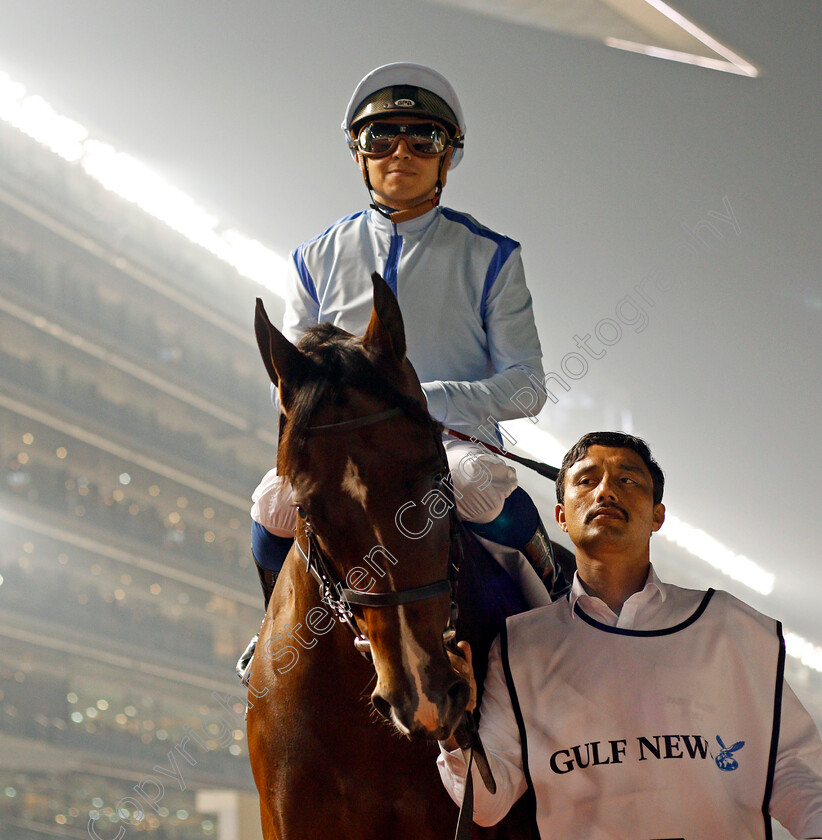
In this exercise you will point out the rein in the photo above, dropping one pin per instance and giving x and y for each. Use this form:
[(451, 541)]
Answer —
[(346, 425), (543, 469)]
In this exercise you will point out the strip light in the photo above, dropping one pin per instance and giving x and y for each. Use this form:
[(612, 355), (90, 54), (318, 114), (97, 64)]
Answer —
[(536, 442), (682, 57), (732, 63), (700, 544), (806, 652), (127, 177)]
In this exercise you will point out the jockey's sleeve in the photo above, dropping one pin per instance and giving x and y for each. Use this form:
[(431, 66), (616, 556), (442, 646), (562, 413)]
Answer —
[(503, 396), (514, 388), (302, 307), (500, 737)]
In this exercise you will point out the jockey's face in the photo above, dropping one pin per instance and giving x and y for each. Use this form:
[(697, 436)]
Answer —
[(609, 502), (402, 180)]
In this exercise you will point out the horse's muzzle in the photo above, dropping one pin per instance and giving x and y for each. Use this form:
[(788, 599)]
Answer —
[(433, 716)]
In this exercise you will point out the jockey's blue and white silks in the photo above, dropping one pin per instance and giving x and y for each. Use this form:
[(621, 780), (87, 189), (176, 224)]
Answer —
[(682, 729), (468, 317)]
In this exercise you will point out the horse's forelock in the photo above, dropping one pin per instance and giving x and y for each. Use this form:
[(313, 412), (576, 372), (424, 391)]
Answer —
[(341, 362)]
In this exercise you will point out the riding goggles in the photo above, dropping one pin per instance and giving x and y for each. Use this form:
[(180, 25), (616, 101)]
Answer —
[(379, 139)]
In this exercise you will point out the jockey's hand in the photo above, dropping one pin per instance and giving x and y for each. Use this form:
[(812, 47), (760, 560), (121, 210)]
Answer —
[(461, 663)]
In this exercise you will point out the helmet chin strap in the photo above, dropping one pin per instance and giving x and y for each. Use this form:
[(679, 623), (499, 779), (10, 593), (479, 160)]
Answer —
[(427, 204)]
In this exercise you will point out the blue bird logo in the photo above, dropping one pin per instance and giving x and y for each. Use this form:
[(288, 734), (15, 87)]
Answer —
[(725, 761)]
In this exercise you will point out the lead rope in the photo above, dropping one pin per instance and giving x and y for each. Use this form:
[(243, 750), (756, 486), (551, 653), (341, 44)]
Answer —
[(465, 821), (466, 734), (468, 740)]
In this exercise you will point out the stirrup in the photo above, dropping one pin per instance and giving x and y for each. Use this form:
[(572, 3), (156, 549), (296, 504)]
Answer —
[(243, 666), (540, 555)]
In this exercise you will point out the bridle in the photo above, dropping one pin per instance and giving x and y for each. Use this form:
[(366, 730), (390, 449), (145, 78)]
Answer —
[(339, 597)]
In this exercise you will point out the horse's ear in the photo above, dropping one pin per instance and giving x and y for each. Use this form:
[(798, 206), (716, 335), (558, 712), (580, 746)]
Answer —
[(385, 335), (283, 361)]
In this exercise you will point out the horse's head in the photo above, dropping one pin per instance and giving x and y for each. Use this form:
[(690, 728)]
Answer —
[(367, 468)]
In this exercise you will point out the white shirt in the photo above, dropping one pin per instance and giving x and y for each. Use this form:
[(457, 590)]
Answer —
[(656, 606), (796, 798)]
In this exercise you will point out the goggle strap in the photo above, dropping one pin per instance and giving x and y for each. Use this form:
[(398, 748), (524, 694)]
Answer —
[(364, 168), (400, 216)]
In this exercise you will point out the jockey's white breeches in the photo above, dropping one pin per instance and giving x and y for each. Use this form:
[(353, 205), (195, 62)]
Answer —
[(482, 482)]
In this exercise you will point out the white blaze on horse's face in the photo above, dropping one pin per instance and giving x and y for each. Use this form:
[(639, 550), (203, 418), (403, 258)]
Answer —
[(417, 689), (416, 662), (352, 484)]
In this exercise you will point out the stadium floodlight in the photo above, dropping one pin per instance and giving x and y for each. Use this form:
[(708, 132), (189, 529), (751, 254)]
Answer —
[(35, 117), (125, 176), (700, 544), (809, 654)]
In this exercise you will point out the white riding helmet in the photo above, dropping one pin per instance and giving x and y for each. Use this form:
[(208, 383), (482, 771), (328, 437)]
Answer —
[(443, 106)]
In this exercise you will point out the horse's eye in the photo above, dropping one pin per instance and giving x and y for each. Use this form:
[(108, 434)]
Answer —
[(301, 512)]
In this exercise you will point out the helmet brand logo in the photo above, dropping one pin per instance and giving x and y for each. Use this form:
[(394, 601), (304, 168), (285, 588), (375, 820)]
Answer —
[(404, 103)]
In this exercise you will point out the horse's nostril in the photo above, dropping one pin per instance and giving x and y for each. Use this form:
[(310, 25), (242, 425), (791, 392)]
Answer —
[(382, 706), (459, 694)]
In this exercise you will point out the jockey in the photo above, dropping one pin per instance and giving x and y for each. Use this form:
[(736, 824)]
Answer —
[(461, 287)]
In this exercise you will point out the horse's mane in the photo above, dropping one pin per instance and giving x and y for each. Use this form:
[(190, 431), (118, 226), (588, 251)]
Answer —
[(340, 363)]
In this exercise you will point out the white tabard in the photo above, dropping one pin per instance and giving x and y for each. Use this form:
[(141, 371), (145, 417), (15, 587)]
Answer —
[(648, 735)]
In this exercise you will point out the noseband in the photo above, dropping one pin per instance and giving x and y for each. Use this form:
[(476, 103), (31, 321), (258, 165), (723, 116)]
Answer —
[(338, 597)]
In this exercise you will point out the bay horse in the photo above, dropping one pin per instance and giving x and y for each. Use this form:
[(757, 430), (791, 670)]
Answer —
[(358, 445)]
